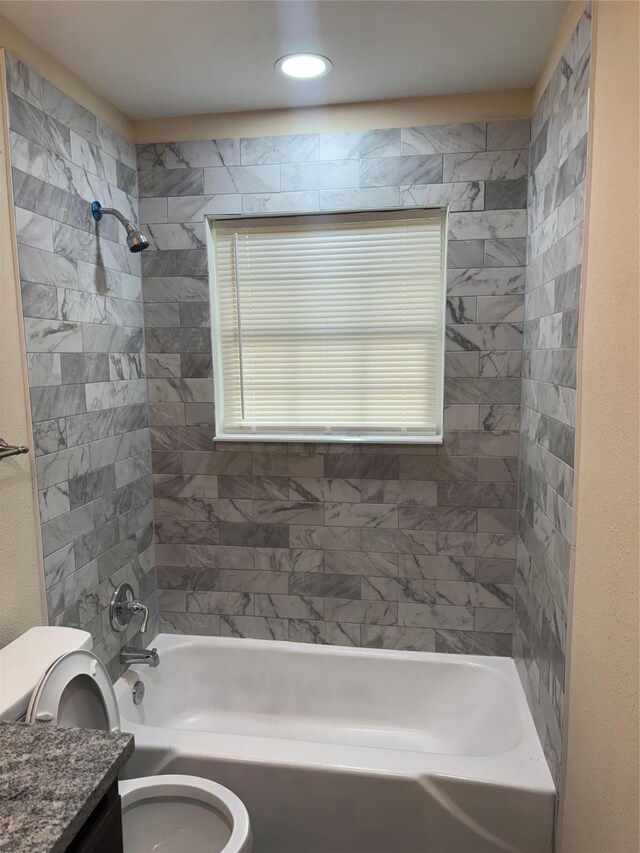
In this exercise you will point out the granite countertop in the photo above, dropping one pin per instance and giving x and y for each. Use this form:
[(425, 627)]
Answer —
[(51, 779)]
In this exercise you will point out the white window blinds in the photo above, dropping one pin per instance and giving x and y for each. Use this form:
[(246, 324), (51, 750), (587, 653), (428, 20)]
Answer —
[(329, 328)]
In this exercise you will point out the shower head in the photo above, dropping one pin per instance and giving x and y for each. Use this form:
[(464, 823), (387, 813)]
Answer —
[(136, 240)]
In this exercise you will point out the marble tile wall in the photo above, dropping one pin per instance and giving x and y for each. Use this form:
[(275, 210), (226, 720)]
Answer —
[(84, 330), (409, 547), (555, 240)]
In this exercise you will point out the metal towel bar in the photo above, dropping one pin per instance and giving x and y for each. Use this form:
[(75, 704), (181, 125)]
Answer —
[(7, 450)]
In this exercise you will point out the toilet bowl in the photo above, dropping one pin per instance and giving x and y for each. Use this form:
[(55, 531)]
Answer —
[(159, 813), (180, 813)]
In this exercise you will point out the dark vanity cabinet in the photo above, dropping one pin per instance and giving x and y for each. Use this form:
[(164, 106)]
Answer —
[(102, 832)]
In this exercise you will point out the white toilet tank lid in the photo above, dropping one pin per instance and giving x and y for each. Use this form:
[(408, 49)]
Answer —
[(24, 660)]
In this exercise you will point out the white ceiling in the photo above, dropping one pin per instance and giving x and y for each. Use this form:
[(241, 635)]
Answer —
[(177, 57)]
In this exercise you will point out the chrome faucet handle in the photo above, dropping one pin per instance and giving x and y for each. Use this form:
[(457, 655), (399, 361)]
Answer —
[(123, 606), (133, 608)]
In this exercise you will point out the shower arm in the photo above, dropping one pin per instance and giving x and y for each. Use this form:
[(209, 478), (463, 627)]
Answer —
[(102, 210)]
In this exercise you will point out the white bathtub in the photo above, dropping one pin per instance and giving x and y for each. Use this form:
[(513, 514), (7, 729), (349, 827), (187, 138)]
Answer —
[(340, 750)]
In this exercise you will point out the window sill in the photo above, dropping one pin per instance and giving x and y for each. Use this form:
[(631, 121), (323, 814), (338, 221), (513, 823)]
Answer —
[(328, 438)]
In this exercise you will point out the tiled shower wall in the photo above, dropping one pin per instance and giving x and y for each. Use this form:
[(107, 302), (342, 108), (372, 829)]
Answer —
[(408, 547), (83, 321), (556, 211)]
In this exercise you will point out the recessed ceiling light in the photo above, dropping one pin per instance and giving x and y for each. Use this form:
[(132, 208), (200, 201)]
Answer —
[(303, 66)]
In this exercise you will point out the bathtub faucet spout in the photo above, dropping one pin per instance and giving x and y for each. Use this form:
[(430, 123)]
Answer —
[(130, 655)]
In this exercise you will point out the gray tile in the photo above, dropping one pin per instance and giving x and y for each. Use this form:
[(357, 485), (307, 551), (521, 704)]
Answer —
[(348, 145), (228, 603), (437, 568), (399, 541), (49, 436), (39, 300), (361, 563), (324, 633), (400, 638), (474, 594), (29, 157), (502, 195), (495, 570), (464, 195), (290, 202), (485, 282), (435, 616), (152, 210), (361, 465), (325, 489), (199, 624), (326, 538), (416, 590), (488, 225), (488, 545), (23, 81), (254, 627), (439, 518), (399, 492), (253, 581), (44, 369), (498, 470), (507, 135), (444, 139), (394, 171), (90, 486), (486, 166), (84, 367), (68, 112), (497, 520), (286, 465), (34, 230), (56, 401), (46, 268), (505, 252), (439, 468), (53, 502), (327, 175), (462, 254), (477, 643), (360, 515), (362, 612), (279, 149), (484, 336), (205, 152), (359, 199), (177, 236), (193, 208), (58, 565), (477, 494), (254, 534), (170, 182), (288, 512), (289, 560), (65, 529), (289, 606)]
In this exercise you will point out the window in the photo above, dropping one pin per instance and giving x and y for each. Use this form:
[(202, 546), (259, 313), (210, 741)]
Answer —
[(329, 328)]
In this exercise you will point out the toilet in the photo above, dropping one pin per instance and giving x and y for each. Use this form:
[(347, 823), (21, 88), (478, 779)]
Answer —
[(52, 673)]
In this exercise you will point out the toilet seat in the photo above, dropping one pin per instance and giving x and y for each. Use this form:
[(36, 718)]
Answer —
[(76, 691), (82, 671)]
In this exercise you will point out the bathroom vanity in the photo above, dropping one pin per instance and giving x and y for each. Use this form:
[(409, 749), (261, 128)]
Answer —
[(58, 788)]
